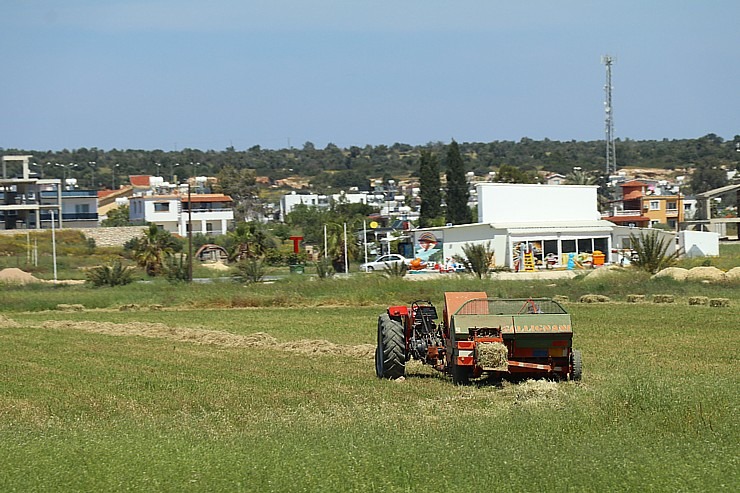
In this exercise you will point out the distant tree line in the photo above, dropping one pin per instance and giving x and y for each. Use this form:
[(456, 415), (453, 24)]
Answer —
[(334, 168)]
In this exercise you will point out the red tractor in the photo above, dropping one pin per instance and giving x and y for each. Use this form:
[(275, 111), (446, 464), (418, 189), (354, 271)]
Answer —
[(477, 335)]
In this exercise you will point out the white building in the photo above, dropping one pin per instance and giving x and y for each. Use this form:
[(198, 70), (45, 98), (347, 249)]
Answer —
[(289, 201), (211, 213), (552, 221)]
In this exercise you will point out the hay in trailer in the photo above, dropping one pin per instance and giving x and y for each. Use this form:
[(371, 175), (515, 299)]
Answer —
[(698, 300), (492, 355), (635, 298)]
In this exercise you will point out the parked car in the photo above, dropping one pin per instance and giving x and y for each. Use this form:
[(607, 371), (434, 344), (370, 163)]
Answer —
[(383, 262)]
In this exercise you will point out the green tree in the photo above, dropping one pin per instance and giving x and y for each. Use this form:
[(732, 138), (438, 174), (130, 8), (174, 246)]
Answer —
[(240, 185), (707, 177), (457, 187), (152, 249), (429, 189), (117, 217), (511, 174), (479, 257)]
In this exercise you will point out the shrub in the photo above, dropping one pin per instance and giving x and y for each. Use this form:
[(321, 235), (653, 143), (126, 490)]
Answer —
[(250, 270), (324, 268), (651, 250), (114, 274), (177, 269), (395, 270), (479, 257)]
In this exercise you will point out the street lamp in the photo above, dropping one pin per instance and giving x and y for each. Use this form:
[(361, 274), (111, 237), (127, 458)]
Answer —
[(92, 165)]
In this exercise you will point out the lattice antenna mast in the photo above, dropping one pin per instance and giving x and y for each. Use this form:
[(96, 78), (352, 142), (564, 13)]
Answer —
[(611, 155)]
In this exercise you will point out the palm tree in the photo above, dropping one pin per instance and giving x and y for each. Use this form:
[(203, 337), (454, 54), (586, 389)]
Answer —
[(153, 248), (580, 177)]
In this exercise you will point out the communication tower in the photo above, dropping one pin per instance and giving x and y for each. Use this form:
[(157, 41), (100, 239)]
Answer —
[(611, 155)]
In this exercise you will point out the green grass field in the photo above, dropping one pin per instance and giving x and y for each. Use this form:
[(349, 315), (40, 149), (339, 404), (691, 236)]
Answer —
[(150, 400)]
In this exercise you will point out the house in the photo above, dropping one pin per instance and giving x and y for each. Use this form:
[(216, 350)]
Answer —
[(29, 202), (208, 213), (644, 204), (555, 179), (289, 201), (554, 222)]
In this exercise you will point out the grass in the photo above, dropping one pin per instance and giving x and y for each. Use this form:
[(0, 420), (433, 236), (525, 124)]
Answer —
[(85, 411)]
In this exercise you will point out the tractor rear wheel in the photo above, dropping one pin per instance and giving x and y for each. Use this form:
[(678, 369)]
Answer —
[(390, 355), (576, 365)]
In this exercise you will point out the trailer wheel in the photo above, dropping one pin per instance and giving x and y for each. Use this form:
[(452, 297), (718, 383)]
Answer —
[(390, 355), (460, 375), (576, 365)]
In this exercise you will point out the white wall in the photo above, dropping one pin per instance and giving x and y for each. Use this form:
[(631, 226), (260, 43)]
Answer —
[(524, 203), (698, 243)]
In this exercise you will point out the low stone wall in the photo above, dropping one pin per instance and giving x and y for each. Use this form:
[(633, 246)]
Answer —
[(104, 237), (113, 237)]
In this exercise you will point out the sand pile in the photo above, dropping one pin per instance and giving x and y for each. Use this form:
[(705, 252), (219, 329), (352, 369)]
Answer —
[(216, 266), (677, 273), (16, 276), (711, 274), (606, 271)]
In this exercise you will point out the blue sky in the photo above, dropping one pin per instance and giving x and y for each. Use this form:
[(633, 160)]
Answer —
[(170, 74)]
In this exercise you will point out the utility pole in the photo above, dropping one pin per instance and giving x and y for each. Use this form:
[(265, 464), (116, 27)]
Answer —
[(611, 155)]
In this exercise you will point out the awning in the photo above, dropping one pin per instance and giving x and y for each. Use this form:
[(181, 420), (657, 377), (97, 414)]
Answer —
[(550, 228)]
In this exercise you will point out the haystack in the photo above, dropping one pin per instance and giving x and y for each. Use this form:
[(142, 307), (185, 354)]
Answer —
[(719, 302), (493, 355), (635, 298), (677, 273), (663, 298), (733, 275), (698, 300), (711, 274)]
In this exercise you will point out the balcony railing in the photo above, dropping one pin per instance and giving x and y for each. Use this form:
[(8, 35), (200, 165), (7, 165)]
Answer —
[(72, 216), (627, 213)]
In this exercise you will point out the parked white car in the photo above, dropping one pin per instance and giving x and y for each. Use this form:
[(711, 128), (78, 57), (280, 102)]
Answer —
[(383, 262)]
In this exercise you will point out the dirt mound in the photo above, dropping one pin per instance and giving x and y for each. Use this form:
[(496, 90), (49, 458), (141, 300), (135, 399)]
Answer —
[(677, 273), (216, 266), (213, 337), (16, 276), (711, 274), (609, 270), (733, 274)]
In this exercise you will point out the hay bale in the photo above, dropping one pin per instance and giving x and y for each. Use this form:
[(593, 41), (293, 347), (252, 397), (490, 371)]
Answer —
[(663, 298), (594, 298), (492, 355), (677, 273), (719, 302), (635, 298), (70, 307), (131, 307), (561, 298), (733, 275), (698, 300), (710, 274)]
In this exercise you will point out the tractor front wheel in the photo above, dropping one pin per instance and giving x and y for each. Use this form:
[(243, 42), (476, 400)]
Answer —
[(390, 355), (576, 365)]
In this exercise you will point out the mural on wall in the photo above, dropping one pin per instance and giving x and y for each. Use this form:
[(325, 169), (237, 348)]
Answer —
[(428, 247)]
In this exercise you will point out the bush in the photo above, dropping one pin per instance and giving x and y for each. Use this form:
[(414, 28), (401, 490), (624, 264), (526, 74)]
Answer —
[(113, 274), (177, 269), (250, 270), (324, 268), (651, 250), (479, 257)]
